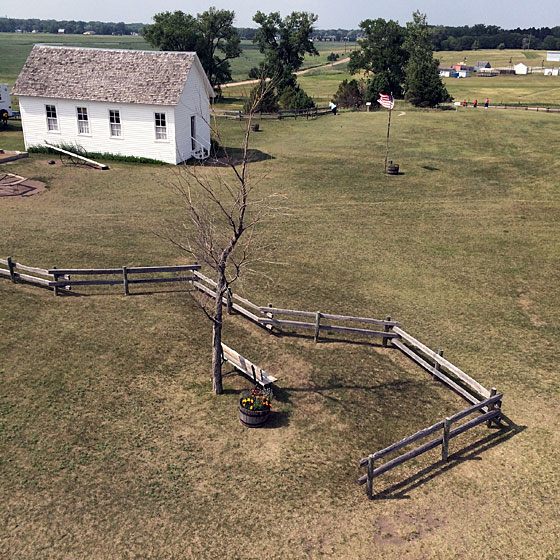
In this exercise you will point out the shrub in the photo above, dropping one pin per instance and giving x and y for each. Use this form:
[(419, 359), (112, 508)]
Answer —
[(268, 102), (350, 93), (79, 150), (295, 98)]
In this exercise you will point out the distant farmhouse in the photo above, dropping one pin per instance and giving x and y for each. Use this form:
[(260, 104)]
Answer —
[(447, 72), (148, 104)]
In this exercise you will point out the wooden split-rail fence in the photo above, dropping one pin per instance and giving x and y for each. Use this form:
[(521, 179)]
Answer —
[(62, 279), (267, 316), (285, 114), (490, 411), (484, 401)]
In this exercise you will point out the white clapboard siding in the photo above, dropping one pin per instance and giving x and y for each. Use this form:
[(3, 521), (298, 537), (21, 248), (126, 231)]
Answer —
[(137, 125), (194, 101)]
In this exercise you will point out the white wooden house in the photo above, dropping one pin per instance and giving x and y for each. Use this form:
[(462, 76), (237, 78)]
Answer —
[(148, 104), (447, 72), (521, 69)]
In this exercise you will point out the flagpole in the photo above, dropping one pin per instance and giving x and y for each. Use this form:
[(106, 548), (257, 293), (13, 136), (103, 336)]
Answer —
[(388, 131)]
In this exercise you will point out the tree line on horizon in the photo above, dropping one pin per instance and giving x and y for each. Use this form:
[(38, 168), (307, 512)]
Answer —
[(444, 37)]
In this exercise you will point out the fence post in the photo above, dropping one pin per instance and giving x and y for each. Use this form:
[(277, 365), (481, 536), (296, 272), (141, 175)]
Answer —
[(11, 267), (490, 407), (445, 442), (437, 365), (317, 325), (55, 277), (193, 277), (228, 301), (270, 316), (387, 328), (369, 482), (125, 280)]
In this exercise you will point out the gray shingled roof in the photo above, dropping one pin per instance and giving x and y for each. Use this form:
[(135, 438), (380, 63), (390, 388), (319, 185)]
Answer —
[(112, 75)]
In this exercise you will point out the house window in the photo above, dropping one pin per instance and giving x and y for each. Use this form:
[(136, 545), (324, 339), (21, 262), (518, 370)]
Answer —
[(161, 127), (83, 122), (52, 120), (115, 122), (193, 133)]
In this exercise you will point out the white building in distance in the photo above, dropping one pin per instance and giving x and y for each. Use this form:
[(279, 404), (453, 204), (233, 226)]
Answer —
[(149, 104), (521, 69)]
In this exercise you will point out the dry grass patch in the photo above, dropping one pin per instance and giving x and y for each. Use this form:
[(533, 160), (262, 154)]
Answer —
[(111, 444)]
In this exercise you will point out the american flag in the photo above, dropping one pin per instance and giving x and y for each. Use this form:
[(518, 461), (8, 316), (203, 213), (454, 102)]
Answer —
[(386, 101)]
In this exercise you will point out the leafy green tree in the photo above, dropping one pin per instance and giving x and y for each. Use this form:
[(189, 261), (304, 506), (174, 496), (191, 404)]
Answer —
[(382, 56), (172, 31), (551, 43), (423, 85), (220, 44), (284, 43), (211, 35)]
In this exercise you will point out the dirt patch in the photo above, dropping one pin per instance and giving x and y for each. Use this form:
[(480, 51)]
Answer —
[(526, 305), (11, 156), (14, 185), (405, 528)]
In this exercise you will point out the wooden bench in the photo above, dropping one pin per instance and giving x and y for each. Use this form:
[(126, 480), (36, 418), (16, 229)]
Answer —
[(247, 368)]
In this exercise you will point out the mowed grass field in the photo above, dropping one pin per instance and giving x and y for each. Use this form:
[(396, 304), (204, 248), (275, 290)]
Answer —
[(111, 442)]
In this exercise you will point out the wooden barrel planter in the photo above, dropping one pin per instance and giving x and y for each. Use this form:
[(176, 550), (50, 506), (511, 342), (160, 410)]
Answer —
[(253, 418), (392, 168)]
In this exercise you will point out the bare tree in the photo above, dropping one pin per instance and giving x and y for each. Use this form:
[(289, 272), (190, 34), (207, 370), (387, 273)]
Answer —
[(222, 211)]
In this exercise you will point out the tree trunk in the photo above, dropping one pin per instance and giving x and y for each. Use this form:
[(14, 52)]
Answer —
[(217, 338)]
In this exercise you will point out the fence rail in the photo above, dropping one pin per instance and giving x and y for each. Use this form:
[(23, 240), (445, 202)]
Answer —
[(491, 411), (34, 277), (61, 278), (208, 286), (285, 114), (318, 326), (466, 386)]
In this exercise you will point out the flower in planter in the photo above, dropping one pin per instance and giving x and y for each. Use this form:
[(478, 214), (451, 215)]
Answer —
[(257, 399)]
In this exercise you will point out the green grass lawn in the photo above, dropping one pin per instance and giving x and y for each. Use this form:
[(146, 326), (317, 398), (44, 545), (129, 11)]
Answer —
[(111, 442)]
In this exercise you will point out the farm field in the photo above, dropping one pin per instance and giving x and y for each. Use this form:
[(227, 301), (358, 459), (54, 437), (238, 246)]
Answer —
[(111, 442), (320, 83), (15, 47), (498, 58)]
